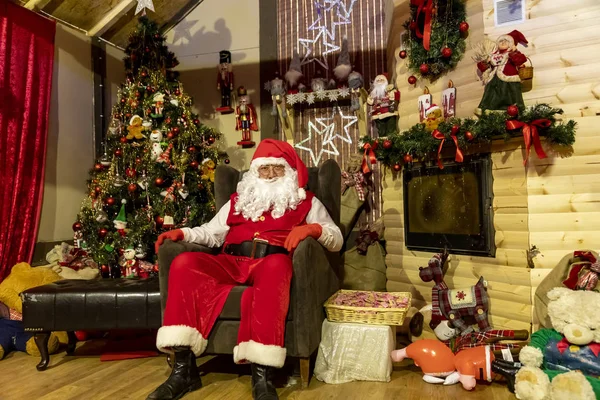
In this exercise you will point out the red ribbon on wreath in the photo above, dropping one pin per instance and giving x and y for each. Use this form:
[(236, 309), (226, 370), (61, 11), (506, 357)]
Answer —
[(368, 159), (440, 136), (530, 135), (423, 7)]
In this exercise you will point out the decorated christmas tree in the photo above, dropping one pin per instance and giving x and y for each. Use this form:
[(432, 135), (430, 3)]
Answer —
[(157, 170)]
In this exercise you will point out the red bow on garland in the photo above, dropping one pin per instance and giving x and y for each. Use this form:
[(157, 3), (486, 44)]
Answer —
[(440, 136), (530, 134), (368, 159), (426, 7), (564, 344)]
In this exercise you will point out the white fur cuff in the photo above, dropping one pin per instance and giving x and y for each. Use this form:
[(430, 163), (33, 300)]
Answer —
[(531, 356), (263, 354), (180, 335)]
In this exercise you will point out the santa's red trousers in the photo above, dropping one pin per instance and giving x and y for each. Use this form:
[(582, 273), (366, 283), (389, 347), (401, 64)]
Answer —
[(199, 284)]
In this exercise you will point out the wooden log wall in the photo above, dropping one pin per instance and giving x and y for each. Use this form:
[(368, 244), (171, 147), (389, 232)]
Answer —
[(552, 203)]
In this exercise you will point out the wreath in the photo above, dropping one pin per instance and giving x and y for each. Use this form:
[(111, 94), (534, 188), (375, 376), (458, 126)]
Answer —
[(418, 142), (436, 37)]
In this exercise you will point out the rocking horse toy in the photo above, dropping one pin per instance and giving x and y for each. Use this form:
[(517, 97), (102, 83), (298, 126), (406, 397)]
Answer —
[(455, 304)]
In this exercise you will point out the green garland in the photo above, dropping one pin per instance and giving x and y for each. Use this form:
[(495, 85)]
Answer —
[(419, 144), (444, 33)]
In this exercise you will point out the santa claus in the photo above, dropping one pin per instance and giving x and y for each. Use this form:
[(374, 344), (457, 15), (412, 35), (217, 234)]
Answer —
[(258, 229)]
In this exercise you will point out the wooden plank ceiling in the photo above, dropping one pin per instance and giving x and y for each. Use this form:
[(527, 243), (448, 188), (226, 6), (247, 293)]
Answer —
[(112, 20)]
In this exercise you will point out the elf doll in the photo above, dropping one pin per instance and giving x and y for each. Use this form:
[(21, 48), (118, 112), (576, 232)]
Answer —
[(501, 74)]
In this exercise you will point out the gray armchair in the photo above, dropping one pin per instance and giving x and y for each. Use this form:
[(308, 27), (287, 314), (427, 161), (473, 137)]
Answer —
[(315, 278)]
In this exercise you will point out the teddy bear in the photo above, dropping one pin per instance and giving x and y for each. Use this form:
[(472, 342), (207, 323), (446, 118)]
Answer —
[(208, 170), (12, 332), (434, 117), (563, 362), (135, 128)]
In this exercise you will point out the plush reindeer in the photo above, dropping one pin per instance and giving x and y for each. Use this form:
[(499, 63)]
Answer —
[(455, 304)]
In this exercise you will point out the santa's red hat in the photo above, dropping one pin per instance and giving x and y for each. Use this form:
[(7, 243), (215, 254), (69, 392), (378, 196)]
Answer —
[(516, 37), (431, 109), (272, 151)]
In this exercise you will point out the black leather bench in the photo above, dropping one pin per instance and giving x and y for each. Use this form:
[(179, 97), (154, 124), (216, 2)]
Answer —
[(103, 304)]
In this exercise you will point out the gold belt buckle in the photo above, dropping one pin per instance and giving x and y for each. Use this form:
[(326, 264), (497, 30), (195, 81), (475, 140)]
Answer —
[(254, 242)]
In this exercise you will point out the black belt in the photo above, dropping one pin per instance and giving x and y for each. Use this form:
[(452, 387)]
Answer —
[(256, 248)]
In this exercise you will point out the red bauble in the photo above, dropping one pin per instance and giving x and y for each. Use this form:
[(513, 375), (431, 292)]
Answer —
[(131, 172), (424, 68), (211, 140), (455, 129), (159, 221), (159, 181), (176, 130), (138, 160), (397, 167), (118, 152), (387, 144), (144, 73), (132, 187), (147, 49), (104, 269), (137, 94), (447, 52), (463, 27), (117, 115), (128, 115), (123, 100), (227, 161), (407, 158), (200, 186), (513, 110), (196, 121), (469, 136), (97, 189), (77, 226), (98, 167), (102, 232), (194, 164), (375, 145), (412, 79), (168, 120), (171, 135), (156, 36), (191, 149), (110, 201), (403, 54), (413, 25), (123, 139), (177, 92)]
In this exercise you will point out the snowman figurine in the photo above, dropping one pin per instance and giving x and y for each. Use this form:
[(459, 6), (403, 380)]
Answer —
[(155, 138)]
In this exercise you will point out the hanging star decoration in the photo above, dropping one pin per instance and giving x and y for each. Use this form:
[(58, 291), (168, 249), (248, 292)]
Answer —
[(330, 15), (142, 5), (325, 132), (350, 120)]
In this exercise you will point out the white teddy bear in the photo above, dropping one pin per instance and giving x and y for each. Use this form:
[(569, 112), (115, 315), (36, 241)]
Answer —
[(564, 362)]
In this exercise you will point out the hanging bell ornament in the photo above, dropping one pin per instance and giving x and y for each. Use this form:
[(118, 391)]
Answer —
[(140, 252), (101, 216), (118, 180), (184, 192), (104, 160)]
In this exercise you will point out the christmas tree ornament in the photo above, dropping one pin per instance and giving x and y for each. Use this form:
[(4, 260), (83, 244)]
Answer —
[(455, 129), (168, 222), (433, 117), (183, 191), (118, 152), (110, 201), (98, 167), (135, 128), (387, 144), (194, 164), (165, 157), (191, 149), (130, 266), (500, 73), (512, 110), (142, 5), (397, 167), (412, 79), (77, 226), (407, 158), (227, 161), (120, 221), (463, 27), (98, 189), (383, 100), (118, 180), (208, 170), (147, 124), (102, 232), (158, 100), (101, 215), (447, 52), (104, 160), (177, 92), (424, 68), (132, 188), (138, 161), (130, 172), (176, 130), (225, 82), (469, 136), (245, 119), (105, 271), (123, 140), (114, 128), (159, 221), (169, 194), (156, 138), (403, 54), (196, 121), (449, 100), (159, 181), (140, 251)]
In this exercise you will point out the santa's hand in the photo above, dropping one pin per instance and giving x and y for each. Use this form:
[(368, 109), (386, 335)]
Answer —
[(300, 233), (174, 235)]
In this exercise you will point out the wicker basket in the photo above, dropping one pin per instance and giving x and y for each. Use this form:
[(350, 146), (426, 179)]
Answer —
[(526, 73), (367, 315)]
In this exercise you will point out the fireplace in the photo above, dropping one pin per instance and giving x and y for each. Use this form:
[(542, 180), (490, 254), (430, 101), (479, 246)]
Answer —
[(450, 207)]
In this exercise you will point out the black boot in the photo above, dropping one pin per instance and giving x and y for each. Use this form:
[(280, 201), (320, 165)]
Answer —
[(508, 370), (262, 383), (184, 377)]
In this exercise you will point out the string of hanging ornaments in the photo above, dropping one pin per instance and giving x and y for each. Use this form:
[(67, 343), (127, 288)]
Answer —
[(436, 37)]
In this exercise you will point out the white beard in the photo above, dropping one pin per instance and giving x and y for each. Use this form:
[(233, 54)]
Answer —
[(257, 196), (378, 91)]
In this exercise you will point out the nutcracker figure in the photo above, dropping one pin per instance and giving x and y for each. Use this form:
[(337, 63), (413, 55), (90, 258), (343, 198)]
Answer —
[(225, 82), (245, 118)]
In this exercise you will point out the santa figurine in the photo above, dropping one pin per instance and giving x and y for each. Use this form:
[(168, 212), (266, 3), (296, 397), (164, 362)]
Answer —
[(500, 72), (258, 228), (294, 75), (245, 118), (384, 99), (129, 265), (225, 82)]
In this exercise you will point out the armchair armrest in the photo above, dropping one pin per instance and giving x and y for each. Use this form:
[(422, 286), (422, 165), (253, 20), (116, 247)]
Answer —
[(313, 282), (166, 254)]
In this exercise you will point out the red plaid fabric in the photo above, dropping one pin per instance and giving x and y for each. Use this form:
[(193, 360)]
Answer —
[(15, 315), (492, 338), (356, 179)]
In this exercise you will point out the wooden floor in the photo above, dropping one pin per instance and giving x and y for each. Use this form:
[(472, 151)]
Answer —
[(85, 377)]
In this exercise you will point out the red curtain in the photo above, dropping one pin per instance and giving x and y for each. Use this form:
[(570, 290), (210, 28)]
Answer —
[(26, 63)]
